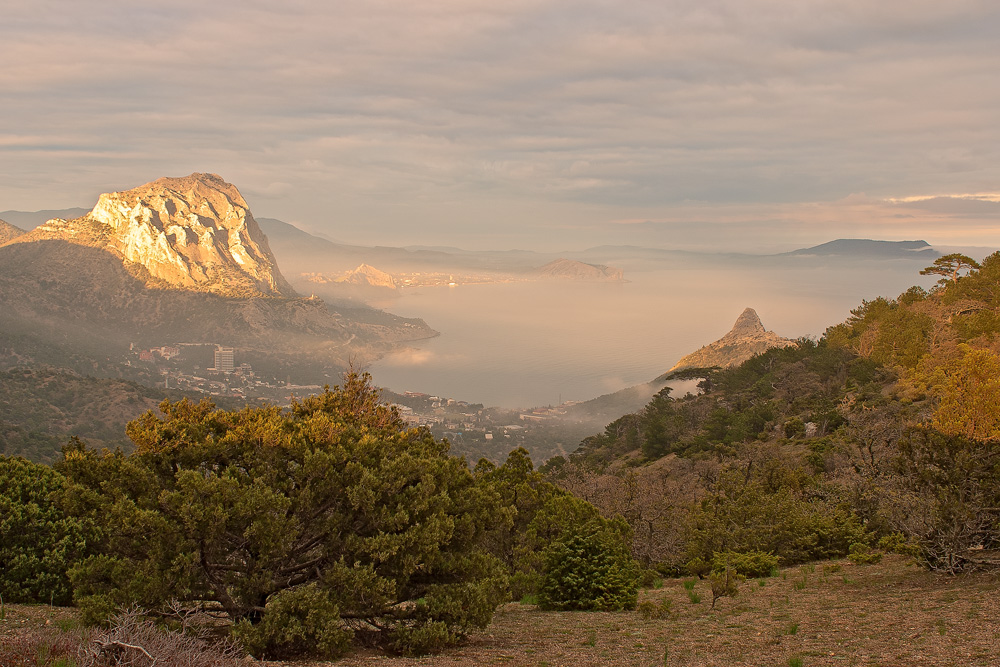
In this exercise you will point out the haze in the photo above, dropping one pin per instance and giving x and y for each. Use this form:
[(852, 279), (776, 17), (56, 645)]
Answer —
[(741, 124)]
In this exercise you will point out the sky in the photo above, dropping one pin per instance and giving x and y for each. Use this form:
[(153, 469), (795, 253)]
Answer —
[(540, 124)]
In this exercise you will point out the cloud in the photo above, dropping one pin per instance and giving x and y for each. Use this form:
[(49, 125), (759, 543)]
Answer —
[(516, 120)]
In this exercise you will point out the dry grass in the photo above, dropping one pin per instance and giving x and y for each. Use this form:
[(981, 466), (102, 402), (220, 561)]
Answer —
[(888, 615)]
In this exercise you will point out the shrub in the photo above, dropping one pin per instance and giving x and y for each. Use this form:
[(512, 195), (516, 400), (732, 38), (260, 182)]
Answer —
[(746, 563), (862, 554), (296, 622), (333, 500), (590, 568), (897, 543), (724, 584), (134, 641), (39, 541), (650, 610), (697, 567)]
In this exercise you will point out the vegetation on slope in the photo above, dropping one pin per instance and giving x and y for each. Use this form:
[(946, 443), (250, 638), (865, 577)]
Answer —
[(332, 522), (304, 529), (886, 432)]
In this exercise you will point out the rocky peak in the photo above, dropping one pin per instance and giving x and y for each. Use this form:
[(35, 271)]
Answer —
[(747, 338), (747, 324), (195, 232)]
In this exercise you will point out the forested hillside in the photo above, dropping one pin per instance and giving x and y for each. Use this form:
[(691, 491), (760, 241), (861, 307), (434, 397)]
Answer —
[(885, 434)]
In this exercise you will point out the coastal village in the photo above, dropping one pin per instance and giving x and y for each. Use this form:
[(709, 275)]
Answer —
[(472, 428)]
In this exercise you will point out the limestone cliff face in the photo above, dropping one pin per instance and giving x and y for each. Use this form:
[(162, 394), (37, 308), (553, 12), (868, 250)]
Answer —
[(9, 232), (746, 339), (367, 276), (195, 232), (574, 270)]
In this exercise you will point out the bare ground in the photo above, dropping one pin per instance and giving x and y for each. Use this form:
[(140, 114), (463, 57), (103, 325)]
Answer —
[(887, 615)]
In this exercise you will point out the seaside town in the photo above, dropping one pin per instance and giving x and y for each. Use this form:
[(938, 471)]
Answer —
[(472, 428)]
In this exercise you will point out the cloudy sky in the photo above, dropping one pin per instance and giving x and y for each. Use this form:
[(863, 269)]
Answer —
[(757, 124)]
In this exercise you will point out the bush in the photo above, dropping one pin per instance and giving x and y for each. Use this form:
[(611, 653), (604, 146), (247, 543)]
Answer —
[(590, 569), (746, 563), (697, 567), (134, 641), (897, 543), (290, 520), (862, 554), (649, 610), (296, 622), (39, 541), (724, 584)]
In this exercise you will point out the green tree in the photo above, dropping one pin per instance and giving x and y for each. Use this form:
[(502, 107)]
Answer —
[(945, 496), (949, 266), (590, 569), (255, 511), (538, 513)]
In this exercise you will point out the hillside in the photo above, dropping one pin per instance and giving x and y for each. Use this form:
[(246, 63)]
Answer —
[(41, 408), (9, 232), (890, 422)]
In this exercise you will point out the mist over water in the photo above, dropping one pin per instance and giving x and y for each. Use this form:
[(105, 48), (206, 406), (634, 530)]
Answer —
[(528, 344)]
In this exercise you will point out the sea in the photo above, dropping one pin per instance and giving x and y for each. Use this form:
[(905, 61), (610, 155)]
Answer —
[(535, 343)]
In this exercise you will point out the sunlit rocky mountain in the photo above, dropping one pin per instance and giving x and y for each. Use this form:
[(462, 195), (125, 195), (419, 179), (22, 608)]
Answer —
[(175, 260), (195, 232)]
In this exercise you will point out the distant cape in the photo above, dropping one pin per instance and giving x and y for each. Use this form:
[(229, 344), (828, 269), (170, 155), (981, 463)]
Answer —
[(573, 270), (869, 248)]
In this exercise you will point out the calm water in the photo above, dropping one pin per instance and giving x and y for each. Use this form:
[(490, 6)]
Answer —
[(538, 343)]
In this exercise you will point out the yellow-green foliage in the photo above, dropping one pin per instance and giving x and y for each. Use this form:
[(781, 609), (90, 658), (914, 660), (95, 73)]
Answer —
[(970, 397)]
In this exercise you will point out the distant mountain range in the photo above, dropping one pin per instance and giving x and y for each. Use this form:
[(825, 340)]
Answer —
[(313, 253)]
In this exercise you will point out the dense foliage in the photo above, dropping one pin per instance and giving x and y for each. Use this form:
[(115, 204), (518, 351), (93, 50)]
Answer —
[(39, 540), (331, 522), (590, 568), (304, 527)]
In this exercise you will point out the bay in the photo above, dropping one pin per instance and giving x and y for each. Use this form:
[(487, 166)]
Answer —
[(524, 344)]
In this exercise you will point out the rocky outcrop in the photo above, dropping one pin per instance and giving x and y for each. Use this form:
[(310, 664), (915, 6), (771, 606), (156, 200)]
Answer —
[(367, 276), (574, 270), (9, 232), (195, 232), (746, 339)]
